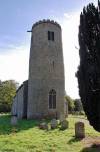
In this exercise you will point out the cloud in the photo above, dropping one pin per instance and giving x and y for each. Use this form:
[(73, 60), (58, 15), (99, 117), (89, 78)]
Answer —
[(67, 16), (71, 57), (14, 65)]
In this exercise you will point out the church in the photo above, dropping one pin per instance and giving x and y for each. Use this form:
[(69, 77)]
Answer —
[(42, 95)]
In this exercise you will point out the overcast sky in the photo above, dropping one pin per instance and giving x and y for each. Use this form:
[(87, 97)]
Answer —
[(17, 16)]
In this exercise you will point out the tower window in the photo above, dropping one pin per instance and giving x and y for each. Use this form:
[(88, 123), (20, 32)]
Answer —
[(52, 99), (50, 35)]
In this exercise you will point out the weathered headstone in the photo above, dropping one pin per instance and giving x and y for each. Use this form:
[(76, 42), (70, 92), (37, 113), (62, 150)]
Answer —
[(43, 126), (14, 120), (79, 130), (64, 124), (62, 117), (54, 123)]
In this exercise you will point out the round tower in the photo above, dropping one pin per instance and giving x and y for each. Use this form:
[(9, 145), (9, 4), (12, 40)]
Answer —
[(46, 88)]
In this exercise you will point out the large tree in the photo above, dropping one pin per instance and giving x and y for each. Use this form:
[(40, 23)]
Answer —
[(89, 69), (7, 92), (70, 103), (78, 105)]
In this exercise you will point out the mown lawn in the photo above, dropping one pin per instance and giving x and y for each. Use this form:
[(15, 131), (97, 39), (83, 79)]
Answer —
[(27, 137)]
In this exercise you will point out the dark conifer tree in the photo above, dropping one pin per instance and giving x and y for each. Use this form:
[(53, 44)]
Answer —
[(88, 73)]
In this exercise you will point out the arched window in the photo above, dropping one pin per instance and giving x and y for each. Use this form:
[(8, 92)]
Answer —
[(52, 99)]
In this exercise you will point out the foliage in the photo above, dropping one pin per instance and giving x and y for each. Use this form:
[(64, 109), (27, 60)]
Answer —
[(7, 92), (27, 137), (78, 105), (70, 102), (89, 70)]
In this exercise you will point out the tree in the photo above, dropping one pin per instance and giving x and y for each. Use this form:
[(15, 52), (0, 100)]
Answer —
[(78, 105), (70, 102), (88, 73), (7, 92)]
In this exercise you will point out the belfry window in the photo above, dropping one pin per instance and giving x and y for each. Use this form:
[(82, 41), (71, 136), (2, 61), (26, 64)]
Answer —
[(51, 35), (52, 99)]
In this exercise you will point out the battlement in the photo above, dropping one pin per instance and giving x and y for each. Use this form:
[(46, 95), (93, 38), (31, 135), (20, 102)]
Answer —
[(46, 21)]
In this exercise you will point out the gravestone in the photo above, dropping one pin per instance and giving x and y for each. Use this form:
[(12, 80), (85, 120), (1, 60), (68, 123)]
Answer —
[(14, 120), (62, 117), (64, 124), (54, 123), (43, 126), (79, 130)]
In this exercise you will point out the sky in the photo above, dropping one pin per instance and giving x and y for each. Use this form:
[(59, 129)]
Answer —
[(18, 16)]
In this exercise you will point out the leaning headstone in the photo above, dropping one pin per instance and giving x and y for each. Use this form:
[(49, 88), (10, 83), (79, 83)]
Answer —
[(64, 125), (14, 120), (43, 126), (54, 123), (79, 130)]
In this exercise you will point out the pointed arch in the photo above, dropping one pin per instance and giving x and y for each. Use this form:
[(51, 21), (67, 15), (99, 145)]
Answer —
[(52, 99)]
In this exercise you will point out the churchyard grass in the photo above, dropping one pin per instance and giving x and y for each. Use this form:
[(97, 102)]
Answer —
[(27, 137)]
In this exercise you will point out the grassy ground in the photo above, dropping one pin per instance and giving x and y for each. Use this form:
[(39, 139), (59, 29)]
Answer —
[(27, 137)]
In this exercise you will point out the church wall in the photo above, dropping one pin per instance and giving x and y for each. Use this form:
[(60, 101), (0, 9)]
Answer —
[(14, 107), (20, 103), (25, 98)]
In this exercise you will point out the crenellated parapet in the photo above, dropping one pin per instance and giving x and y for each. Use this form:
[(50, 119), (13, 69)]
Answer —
[(46, 21)]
